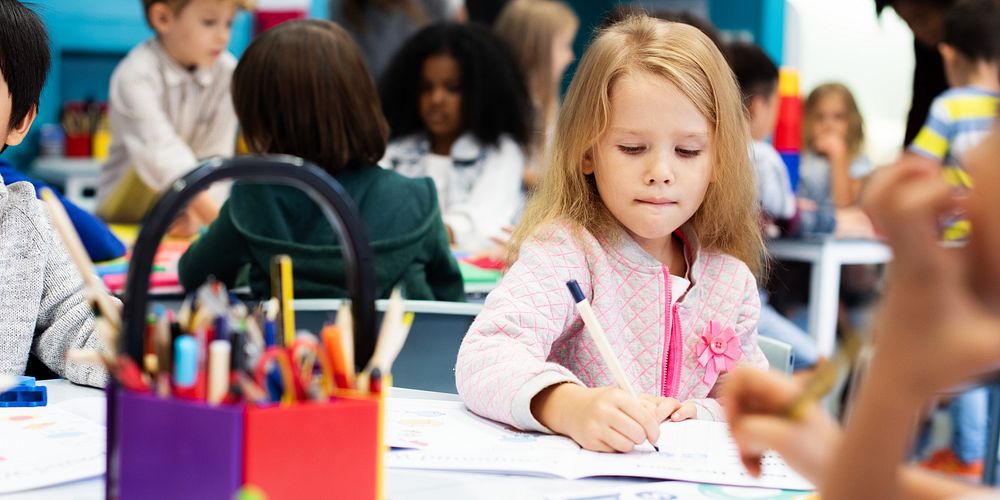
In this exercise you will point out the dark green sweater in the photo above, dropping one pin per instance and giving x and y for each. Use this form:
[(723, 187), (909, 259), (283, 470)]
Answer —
[(262, 220)]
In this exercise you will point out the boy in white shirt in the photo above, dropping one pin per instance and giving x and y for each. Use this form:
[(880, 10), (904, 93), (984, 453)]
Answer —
[(170, 107)]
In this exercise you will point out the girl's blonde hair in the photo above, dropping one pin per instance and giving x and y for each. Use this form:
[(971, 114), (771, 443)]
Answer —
[(530, 27), (683, 56), (855, 125)]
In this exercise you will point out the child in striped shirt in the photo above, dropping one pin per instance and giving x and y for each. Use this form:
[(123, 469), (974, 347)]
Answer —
[(960, 118), (963, 115)]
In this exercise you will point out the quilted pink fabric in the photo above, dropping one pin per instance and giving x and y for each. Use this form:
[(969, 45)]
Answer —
[(530, 336)]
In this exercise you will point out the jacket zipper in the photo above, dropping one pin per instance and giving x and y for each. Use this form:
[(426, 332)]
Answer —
[(672, 345)]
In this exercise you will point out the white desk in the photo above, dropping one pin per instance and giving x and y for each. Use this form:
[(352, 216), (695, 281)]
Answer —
[(77, 176), (827, 255), (400, 484)]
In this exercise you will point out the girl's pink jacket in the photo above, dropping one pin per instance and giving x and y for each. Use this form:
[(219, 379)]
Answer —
[(529, 334)]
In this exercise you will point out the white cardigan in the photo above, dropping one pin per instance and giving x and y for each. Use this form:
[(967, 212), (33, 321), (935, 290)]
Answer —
[(479, 192)]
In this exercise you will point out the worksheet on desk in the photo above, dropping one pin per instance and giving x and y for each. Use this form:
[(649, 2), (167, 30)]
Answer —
[(674, 490), (46, 445), (449, 437)]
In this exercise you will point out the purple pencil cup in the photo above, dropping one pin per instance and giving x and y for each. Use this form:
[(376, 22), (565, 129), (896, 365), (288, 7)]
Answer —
[(173, 448)]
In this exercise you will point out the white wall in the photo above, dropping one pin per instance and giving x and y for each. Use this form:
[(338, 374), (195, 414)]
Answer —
[(843, 41)]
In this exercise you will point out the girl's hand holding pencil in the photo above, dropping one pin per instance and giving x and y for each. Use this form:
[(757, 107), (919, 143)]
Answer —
[(605, 419)]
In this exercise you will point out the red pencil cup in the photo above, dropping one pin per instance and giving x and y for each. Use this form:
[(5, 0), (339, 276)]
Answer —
[(175, 448), (314, 450), (78, 146)]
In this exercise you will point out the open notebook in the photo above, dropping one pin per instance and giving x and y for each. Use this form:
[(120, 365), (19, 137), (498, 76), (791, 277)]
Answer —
[(444, 435)]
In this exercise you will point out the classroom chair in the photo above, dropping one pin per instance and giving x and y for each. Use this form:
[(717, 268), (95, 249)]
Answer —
[(427, 361), (778, 353)]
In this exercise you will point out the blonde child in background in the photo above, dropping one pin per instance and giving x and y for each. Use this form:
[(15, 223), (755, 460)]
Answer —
[(938, 327), (833, 164), (648, 201), (169, 108), (541, 33), (832, 170)]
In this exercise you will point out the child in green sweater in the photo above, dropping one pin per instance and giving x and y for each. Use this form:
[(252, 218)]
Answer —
[(302, 89)]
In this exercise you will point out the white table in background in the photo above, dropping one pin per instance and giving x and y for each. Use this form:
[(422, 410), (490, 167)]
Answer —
[(827, 255), (77, 176)]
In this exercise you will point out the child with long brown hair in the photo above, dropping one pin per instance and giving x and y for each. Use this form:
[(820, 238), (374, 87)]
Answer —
[(321, 106), (648, 202)]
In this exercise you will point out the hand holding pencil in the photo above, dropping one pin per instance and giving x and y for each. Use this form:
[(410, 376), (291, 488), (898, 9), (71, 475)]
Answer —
[(609, 419)]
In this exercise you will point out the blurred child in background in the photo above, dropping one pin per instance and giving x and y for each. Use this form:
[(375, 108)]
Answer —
[(833, 164), (169, 107), (459, 113), (541, 33), (960, 118), (758, 79), (340, 128), (938, 327)]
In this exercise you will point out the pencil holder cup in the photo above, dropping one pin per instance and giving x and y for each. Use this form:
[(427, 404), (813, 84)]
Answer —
[(314, 450), (77, 145), (179, 448), (164, 441)]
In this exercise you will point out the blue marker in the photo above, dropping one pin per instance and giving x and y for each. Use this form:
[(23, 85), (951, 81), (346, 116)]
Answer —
[(185, 361), (222, 328), (270, 333)]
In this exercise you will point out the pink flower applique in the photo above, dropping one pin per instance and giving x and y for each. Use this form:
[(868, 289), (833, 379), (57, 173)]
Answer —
[(718, 352)]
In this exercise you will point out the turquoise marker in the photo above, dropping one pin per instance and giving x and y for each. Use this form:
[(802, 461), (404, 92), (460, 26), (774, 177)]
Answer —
[(185, 362)]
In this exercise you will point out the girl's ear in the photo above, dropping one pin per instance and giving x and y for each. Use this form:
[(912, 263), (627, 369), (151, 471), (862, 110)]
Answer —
[(588, 162)]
